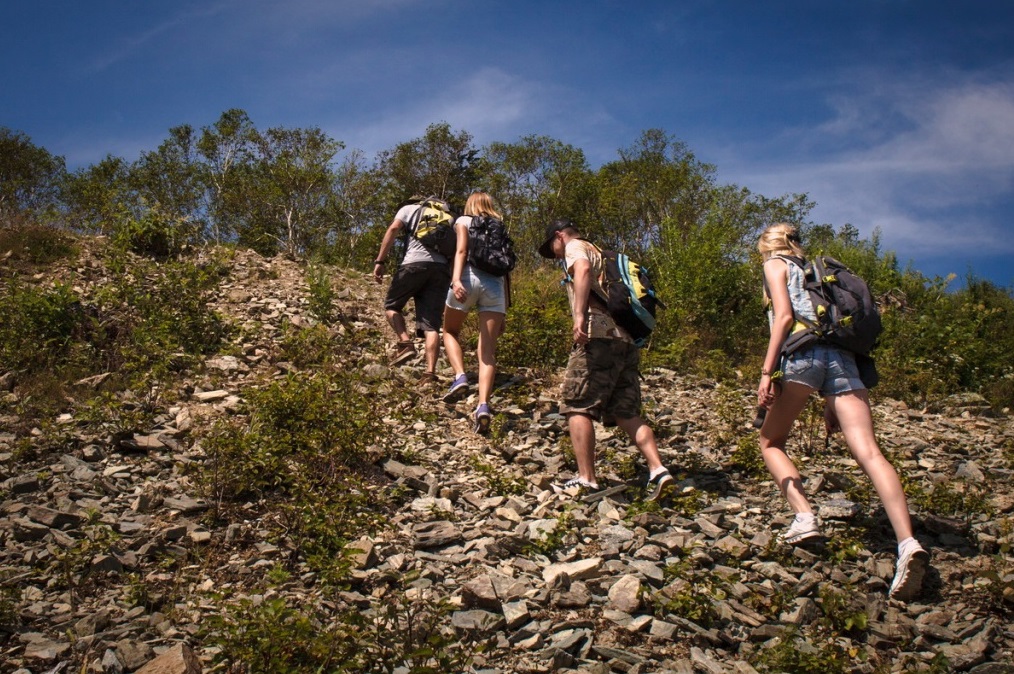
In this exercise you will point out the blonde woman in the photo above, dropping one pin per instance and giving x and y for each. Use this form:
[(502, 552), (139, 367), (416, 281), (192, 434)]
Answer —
[(489, 294), (833, 373)]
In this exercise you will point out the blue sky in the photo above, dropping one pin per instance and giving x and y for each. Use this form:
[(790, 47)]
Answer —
[(891, 114)]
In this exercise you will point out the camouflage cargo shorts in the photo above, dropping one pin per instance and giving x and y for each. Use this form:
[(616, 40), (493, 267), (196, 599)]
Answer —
[(603, 381)]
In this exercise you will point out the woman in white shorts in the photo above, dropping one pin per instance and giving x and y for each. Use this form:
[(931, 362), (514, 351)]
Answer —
[(471, 287), (833, 373)]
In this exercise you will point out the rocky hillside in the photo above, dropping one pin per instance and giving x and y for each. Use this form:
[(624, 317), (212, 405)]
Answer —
[(117, 558)]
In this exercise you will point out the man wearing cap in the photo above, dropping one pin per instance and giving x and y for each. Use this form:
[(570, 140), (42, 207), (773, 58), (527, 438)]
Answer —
[(424, 275), (603, 381)]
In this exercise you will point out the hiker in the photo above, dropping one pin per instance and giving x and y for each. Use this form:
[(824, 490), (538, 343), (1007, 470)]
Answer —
[(785, 386), (490, 295), (422, 276), (602, 381)]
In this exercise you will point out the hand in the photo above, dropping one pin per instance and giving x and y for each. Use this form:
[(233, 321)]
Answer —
[(458, 288), (767, 391), (378, 272), (580, 330), (831, 424)]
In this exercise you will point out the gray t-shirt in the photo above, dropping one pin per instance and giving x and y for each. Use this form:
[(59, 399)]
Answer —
[(416, 252)]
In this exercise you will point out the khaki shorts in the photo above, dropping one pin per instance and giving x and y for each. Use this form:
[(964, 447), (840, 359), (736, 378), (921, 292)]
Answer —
[(603, 381)]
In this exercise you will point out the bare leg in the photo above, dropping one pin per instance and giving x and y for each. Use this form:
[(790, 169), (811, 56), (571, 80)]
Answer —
[(453, 320), (582, 437), (397, 323), (773, 436), (642, 435), (432, 349), (853, 412), (489, 329)]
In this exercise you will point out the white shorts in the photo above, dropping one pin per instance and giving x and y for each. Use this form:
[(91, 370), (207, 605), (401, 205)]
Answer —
[(486, 292)]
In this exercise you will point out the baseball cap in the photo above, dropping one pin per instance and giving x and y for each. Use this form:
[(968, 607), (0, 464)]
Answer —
[(546, 249)]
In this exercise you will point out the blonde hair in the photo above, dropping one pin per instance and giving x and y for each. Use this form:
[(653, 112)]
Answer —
[(480, 203), (780, 238)]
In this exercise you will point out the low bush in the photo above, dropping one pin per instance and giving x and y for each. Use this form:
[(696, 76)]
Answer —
[(539, 325), (299, 458)]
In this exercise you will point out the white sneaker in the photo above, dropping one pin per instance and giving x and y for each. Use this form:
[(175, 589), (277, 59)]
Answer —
[(909, 574), (799, 531)]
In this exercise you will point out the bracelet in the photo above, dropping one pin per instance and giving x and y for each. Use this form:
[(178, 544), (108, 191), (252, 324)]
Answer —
[(765, 373), (378, 262)]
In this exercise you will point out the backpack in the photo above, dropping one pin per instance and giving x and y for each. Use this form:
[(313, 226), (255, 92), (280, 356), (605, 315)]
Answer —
[(630, 295), (490, 247), (433, 225), (847, 315)]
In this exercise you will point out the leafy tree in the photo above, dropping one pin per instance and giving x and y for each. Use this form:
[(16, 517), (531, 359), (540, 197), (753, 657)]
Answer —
[(29, 176), (656, 179), (440, 163), (171, 180), (98, 196), (357, 205), (290, 188), (225, 147), (536, 180)]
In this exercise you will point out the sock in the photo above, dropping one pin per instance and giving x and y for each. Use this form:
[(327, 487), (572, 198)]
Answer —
[(805, 517), (655, 473)]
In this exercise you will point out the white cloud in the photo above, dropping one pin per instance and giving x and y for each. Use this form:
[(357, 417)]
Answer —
[(490, 104), (926, 162)]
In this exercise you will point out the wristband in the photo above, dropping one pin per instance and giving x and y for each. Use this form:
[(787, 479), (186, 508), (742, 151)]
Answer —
[(378, 262)]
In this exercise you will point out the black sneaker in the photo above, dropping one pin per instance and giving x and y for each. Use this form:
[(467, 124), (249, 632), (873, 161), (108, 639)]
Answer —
[(658, 485)]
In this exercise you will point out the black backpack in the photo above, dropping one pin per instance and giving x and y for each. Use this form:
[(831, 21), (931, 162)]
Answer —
[(630, 295), (490, 247), (433, 225), (847, 315)]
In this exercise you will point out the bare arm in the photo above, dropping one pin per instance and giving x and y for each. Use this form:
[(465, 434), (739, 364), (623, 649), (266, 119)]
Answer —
[(776, 273), (393, 230), (460, 257), (581, 273)]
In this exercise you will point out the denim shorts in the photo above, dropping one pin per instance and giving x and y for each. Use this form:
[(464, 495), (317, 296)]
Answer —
[(485, 292), (828, 369)]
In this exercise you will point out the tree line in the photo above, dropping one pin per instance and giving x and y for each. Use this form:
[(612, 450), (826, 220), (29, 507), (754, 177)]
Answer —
[(299, 192)]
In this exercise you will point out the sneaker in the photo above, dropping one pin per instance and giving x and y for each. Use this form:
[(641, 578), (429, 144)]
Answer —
[(483, 418), (657, 485), (458, 390), (799, 531), (910, 571), (405, 353), (427, 379), (575, 483)]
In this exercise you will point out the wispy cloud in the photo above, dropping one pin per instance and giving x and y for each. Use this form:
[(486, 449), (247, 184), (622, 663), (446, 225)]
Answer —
[(928, 163), (129, 45), (490, 104)]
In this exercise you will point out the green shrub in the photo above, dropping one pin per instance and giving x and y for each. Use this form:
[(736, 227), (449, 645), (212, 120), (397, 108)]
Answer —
[(35, 244), (321, 302), (155, 234), (303, 460), (401, 633), (38, 326), (690, 592), (539, 325), (791, 653)]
